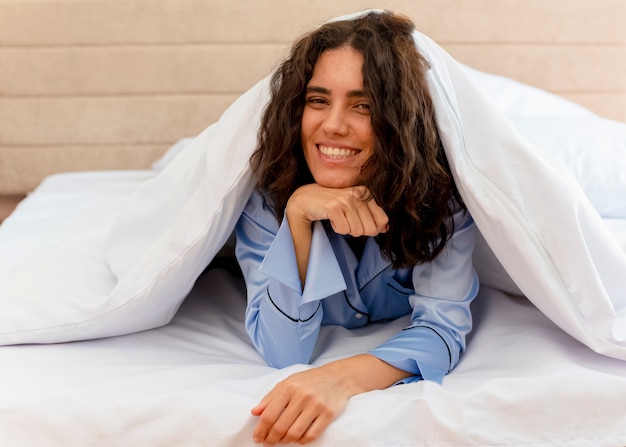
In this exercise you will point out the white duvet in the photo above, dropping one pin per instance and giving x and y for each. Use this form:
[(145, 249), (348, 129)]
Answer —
[(131, 273)]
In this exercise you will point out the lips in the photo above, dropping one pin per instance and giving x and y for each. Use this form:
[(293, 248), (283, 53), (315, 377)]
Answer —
[(336, 152)]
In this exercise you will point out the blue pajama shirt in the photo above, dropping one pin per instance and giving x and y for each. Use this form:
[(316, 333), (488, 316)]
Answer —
[(283, 321)]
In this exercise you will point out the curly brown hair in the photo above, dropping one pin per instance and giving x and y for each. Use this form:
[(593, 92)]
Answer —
[(411, 178)]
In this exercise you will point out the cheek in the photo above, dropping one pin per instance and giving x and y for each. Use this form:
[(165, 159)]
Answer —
[(306, 125), (305, 131), (363, 129), (367, 137), (304, 141)]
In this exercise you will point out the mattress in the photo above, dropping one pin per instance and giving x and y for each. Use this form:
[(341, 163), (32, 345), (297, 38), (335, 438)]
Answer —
[(522, 381)]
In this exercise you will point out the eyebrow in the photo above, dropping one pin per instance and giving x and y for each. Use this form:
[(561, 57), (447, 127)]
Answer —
[(325, 91)]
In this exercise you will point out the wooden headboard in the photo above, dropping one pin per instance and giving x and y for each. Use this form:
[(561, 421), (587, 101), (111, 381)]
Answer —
[(104, 84)]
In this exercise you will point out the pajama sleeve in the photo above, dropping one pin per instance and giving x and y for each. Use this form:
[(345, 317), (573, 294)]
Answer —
[(282, 320), (443, 290)]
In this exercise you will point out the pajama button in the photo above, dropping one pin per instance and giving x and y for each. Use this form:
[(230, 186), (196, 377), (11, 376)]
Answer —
[(358, 315)]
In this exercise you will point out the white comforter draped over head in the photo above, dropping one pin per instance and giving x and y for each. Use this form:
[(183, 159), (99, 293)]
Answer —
[(529, 209), (532, 212)]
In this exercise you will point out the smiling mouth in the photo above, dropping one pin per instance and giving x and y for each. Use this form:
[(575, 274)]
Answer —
[(337, 153)]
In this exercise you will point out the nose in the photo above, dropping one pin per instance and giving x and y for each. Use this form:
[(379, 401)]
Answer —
[(336, 121)]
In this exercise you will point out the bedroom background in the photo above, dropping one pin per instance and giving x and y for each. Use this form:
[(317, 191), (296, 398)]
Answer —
[(111, 84)]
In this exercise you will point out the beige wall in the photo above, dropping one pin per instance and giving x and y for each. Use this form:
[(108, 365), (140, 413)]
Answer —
[(108, 84)]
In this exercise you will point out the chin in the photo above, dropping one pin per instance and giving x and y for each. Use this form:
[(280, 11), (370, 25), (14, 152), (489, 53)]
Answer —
[(336, 183)]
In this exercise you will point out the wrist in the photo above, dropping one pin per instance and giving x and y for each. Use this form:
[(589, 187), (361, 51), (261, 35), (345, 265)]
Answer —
[(364, 372), (301, 230), (346, 381), (295, 212)]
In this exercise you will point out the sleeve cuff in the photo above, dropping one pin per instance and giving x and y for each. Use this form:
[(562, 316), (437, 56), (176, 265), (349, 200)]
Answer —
[(324, 276), (279, 262), (419, 350)]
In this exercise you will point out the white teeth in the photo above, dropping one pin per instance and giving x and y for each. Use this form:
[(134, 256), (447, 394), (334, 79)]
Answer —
[(335, 152)]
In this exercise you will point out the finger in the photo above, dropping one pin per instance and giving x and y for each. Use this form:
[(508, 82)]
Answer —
[(316, 428), (379, 216), (361, 193), (373, 219), (379, 219), (339, 223), (269, 410), (354, 219), (354, 208), (256, 411), (368, 220), (342, 215), (284, 424), (292, 423), (299, 426)]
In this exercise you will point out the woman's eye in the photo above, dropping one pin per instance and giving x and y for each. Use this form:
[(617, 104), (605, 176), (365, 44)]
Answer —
[(315, 100), (363, 108)]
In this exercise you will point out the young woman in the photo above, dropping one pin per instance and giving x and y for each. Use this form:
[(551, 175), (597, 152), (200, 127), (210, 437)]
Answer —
[(355, 219)]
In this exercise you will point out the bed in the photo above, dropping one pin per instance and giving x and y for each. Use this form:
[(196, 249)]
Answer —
[(524, 381)]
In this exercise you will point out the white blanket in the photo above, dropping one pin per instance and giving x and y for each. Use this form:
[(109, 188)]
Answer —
[(131, 273)]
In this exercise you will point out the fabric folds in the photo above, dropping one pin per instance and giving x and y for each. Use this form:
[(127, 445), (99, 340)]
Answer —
[(531, 213)]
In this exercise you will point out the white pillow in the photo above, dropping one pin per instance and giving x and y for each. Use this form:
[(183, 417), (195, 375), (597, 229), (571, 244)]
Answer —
[(516, 98), (592, 148)]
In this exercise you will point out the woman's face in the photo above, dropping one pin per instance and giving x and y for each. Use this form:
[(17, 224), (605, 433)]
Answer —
[(337, 134)]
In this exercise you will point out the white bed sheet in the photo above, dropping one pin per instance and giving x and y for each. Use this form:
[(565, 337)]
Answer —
[(522, 381)]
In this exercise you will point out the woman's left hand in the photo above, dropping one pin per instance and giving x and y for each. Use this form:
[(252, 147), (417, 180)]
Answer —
[(300, 407)]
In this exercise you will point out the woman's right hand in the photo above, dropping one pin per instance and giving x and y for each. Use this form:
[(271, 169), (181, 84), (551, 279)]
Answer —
[(350, 210)]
